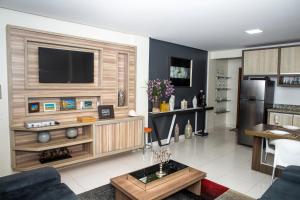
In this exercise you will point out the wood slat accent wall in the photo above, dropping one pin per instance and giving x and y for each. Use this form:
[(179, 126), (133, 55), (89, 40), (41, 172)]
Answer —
[(111, 60)]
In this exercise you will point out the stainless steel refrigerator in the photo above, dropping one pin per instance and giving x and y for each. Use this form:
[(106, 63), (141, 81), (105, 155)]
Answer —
[(256, 96)]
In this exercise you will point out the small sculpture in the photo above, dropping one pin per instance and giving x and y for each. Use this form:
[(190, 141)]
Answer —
[(121, 97), (183, 104), (172, 102), (71, 133), (44, 137), (176, 135), (195, 102), (162, 156)]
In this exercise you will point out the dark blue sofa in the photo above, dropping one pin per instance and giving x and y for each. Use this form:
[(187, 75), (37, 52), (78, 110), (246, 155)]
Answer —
[(39, 184), (287, 186)]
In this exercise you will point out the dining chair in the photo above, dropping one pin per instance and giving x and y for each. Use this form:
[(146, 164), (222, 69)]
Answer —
[(287, 152)]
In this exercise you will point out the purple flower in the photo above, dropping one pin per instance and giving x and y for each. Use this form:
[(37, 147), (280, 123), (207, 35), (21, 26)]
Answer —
[(159, 88)]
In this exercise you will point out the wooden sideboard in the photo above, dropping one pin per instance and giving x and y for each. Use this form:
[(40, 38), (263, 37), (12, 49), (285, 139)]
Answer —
[(114, 69), (95, 140)]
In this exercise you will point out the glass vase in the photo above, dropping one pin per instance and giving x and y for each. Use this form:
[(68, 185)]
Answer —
[(155, 104)]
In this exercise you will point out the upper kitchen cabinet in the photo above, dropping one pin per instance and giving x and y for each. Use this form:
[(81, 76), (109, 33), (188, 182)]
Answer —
[(260, 62), (290, 60)]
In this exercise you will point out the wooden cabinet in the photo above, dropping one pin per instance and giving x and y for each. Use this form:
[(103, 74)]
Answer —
[(118, 136), (260, 62), (290, 60), (296, 120), (281, 118)]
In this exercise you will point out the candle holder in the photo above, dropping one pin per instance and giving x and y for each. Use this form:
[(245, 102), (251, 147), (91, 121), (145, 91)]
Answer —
[(162, 156)]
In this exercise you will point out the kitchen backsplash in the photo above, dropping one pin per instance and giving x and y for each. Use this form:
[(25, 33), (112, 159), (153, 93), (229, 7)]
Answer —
[(287, 107)]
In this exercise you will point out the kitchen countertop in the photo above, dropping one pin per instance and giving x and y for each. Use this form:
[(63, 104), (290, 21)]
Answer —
[(284, 110), (263, 130)]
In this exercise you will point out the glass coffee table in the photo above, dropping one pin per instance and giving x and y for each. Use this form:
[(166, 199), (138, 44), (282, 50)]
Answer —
[(144, 184)]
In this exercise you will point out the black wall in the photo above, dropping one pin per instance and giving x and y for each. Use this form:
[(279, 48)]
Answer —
[(160, 53)]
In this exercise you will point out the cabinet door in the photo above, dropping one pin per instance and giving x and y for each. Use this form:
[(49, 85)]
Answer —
[(296, 120), (118, 137), (283, 119), (290, 60), (261, 62)]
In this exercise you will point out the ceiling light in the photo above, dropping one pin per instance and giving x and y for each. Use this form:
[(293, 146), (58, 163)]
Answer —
[(253, 31)]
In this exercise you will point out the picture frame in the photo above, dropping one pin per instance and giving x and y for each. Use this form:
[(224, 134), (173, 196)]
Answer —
[(181, 71), (106, 111), (68, 103), (49, 107), (33, 107), (86, 104)]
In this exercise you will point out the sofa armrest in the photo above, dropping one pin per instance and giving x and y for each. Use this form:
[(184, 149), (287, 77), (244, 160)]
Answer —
[(13, 182), (291, 173)]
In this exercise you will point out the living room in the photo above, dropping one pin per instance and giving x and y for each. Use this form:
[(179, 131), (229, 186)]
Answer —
[(83, 116)]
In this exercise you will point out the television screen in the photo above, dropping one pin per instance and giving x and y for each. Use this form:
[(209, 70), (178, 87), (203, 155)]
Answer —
[(180, 71), (65, 66)]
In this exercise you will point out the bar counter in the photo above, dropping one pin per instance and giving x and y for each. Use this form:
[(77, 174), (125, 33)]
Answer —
[(261, 131)]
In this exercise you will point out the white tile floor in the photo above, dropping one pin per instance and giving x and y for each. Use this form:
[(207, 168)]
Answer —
[(218, 154)]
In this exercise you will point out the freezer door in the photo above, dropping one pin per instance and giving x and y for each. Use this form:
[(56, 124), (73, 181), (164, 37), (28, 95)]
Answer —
[(253, 89), (251, 114)]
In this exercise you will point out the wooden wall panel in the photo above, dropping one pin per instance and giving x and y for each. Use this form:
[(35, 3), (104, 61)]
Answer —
[(23, 82)]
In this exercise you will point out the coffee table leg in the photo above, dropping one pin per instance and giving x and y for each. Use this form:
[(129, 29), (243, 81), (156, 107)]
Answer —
[(195, 188), (120, 195)]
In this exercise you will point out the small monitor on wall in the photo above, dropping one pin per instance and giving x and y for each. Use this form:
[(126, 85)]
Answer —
[(65, 66), (181, 71)]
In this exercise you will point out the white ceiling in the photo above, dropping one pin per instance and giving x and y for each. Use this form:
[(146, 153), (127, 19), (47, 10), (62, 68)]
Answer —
[(204, 24)]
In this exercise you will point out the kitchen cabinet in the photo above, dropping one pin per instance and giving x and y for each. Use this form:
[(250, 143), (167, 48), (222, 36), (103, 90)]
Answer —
[(280, 118), (260, 62), (290, 60)]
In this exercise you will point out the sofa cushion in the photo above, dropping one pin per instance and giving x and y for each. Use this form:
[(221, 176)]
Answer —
[(282, 189), (40, 192)]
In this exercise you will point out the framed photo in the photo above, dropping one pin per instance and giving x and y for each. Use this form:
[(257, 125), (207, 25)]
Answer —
[(86, 104), (48, 107), (68, 103), (34, 107), (106, 111), (181, 71)]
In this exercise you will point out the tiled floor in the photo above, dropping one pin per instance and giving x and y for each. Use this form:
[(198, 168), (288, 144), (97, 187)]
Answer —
[(218, 154)]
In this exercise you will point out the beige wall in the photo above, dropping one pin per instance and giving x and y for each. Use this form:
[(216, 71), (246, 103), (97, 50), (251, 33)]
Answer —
[(51, 25)]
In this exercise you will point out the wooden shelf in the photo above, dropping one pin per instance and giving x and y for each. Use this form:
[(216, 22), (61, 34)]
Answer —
[(57, 143), (57, 112), (47, 128), (76, 158)]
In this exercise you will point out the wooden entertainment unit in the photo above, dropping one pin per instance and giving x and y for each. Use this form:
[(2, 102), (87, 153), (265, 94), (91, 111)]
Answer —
[(114, 69)]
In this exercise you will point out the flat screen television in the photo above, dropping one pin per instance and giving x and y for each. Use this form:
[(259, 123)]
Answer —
[(181, 71), (65, 66)]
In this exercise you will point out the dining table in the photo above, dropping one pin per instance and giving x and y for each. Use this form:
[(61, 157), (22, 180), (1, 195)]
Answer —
[(261, 131)]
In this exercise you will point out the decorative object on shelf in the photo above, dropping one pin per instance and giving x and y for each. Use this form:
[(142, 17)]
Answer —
[(34, 107), (54, 155), (195, 102), (86, 104), (155, 105), (72, 133), (164, 107), (183, 104), (162, 156), (49, 107), (176, 134), (44, 137), (121, 97), (86, 119), (188, 130), (157, 90), (68, 103), (181, 71), (201, 98), (172, 102), (39, 124), (106, 111), (132, 113)]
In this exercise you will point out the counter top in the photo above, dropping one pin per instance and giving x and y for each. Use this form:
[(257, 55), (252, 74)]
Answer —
[(282, 110), (262, 130)]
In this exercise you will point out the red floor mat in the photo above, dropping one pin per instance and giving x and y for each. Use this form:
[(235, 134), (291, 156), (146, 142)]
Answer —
[(211, 190)]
